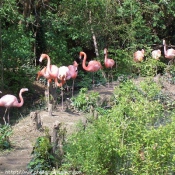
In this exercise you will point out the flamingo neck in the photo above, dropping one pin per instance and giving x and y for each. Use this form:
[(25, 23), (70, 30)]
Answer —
[(84, 61), (21, 100), (165, 52), (106, 55), (48, 64)]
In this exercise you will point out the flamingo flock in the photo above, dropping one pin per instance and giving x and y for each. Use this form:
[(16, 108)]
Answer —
[(61, 74)]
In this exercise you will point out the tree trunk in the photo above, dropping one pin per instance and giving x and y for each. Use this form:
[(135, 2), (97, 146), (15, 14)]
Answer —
[(93, 35)]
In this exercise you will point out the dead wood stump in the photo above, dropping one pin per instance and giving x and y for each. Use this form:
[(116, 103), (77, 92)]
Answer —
[(58, 140), (35, 120), (50, 109)]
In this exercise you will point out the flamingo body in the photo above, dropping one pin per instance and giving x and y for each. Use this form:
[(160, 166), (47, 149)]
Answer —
[(51, 71), (93, 66), (63, 73), (139, 55), (156, 54), (48, 77), (9, 101), (169, 53), (73, 71), (109, 63)]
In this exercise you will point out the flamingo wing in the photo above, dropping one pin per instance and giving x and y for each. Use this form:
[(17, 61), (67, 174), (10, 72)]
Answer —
[(8, 101), (109, 63), (94, 66), (170, 53)]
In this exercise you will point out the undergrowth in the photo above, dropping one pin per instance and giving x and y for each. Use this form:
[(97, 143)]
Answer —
[(136, 136)]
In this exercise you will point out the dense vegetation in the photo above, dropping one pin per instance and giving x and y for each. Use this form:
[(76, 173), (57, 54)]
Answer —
[(65, 27), (134, 136)]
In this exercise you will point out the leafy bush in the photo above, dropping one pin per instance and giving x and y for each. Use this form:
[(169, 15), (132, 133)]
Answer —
[(16, 80), (149, 67), (135, 137), (42, 155), (5, 133), (85, 80), (83, 101)]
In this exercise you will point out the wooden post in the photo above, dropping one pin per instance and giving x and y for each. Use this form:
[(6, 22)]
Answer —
[(57, 141), (35, 120), (56, 129)]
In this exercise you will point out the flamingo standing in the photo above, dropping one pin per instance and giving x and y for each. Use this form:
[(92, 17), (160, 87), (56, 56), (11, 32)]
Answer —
[(109, 63), (156, 54), (73, 72), (93, 66), (50, 72), (139, 55), (170, 53), (9, 101), (53, 72)]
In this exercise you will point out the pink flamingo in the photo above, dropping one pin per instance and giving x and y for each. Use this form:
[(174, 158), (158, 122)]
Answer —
[(139, 55), (170, 53), (9, 101), (73, 72), (51, 71), (156, 54), (109, 63), (93, 66)]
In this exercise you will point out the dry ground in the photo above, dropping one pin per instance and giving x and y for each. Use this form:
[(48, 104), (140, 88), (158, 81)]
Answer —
[(24, 136)]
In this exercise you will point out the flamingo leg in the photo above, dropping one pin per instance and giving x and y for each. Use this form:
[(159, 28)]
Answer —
[(108, 79), (62, 97), (112, 77), (92, 79), (4, 115), (73, 88), (8, 116), (48, 86)]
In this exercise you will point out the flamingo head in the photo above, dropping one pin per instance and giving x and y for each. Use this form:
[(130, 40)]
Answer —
[(24, 89), (80, 55), (143, 51), (75, 64), (42, 57), (159, 52)]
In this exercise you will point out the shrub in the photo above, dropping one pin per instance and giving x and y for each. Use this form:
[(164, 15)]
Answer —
[(132, 138), (42, 155), (5, 133), (83, 101)]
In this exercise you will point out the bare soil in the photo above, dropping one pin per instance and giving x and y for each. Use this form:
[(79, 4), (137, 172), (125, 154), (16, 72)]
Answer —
[(24, 136)]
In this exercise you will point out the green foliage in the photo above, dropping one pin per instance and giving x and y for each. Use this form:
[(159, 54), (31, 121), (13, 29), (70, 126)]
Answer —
[(83, 101), (135, 137), (149, 67), (5, 133), (17, 79), (170, 74), (42, 155)]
